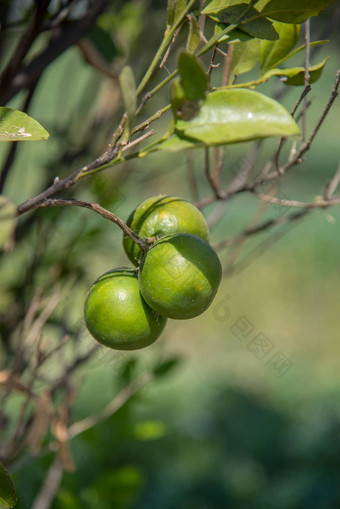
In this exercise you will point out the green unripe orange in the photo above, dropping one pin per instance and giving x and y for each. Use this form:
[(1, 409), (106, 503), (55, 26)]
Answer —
[(117, 315), (163, 215), (179, 276)]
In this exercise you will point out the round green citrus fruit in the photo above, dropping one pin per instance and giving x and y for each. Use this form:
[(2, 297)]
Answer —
[(162, 215), (179, 276), (117, 315)]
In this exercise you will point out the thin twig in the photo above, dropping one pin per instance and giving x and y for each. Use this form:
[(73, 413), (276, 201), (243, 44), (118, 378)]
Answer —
[(306, 77), (144, 244), (306, 91), (50, 486), (259, 228), (332, 184), (89, 422), (318, 204)]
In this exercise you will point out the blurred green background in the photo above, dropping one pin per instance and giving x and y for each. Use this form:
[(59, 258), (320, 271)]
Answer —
[(228, 425)]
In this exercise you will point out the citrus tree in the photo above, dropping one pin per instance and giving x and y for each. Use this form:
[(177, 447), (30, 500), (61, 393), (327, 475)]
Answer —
[(190, 99)]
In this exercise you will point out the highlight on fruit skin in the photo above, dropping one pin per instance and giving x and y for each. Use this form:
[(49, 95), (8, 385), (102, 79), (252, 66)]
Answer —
[(116, 314), (163, 215), (179, 276)]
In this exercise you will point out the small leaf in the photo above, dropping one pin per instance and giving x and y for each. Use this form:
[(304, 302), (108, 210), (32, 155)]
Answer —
[(8, 219), (194, 34), (16, 125), (296, 75), (245, 56), (129, 95), (193, 77), (291, 11), (235, 115), (7, 490), (273, 51), (166, 366), (181, 106), (176, 9)]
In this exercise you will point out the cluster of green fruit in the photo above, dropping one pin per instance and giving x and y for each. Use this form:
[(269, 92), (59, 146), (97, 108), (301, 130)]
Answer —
[(177, 277)]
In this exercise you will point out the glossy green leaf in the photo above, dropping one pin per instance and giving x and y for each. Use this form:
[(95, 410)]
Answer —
[(193, 77), (176, 9), (129, 94), (272, 52), (8, 219), (215, 6), (296, 75), (194, 34), (235, 115), (17, 126), (245, 56), (7, 489), (291, 11)]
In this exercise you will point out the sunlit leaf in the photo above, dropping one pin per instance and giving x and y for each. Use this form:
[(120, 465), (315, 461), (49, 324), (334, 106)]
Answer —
[(8, 219), (291, 11), (7, 489), (235, 115), (299, 49), (16, 125), (215, 6), (296, 75), (273, 51)]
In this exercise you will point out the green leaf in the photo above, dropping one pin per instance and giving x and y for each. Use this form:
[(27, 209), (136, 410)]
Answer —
[(296, 75), (129, 95), (8, 219), (249, 20), (216, 6), (193, 77), (16, 125), (7, 489), (273, 51), (235, 115), (194, 34), (104, 44), (291, 11), (245, 56), (181, 106), (166, 366), (175, 10), (235, 35), (299, 49)]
